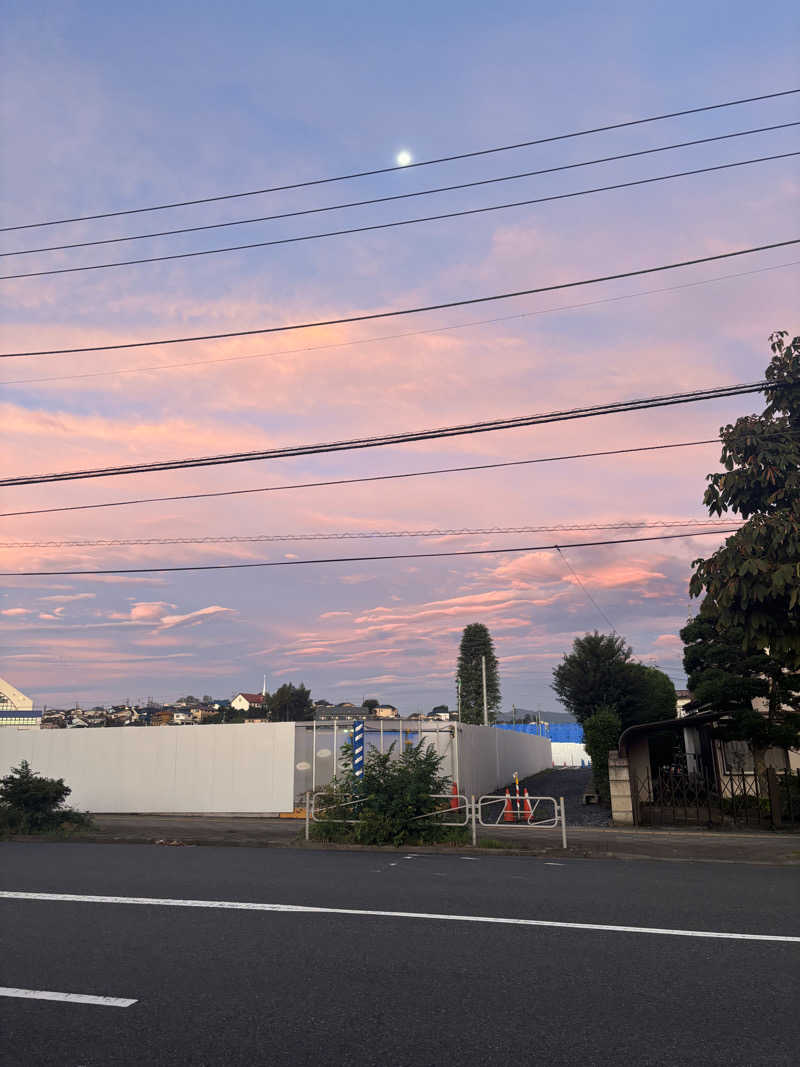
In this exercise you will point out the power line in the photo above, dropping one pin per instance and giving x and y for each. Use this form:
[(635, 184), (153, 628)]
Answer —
[(586, 591), (354, 481), (393, 225), (399, 196), (398, 336), (406, 437), (422, 163), (368, 535), (360, 559), (346, 320)]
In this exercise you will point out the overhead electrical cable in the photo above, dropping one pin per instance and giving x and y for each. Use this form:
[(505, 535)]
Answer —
[(368, 535), (408, 166), (588, 595), (405, 437), (373, 316), (395, 224), (354, 481), (361, 559), (397, 196), (397, 336)]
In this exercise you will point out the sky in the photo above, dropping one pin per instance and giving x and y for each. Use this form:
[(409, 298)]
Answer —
[(106, 107)]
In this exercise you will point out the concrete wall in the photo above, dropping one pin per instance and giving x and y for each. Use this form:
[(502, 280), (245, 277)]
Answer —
[(171, 769)]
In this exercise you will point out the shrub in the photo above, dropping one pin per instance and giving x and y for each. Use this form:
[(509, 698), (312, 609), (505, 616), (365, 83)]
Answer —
[(601, 733), (388, 802), (31, 803)]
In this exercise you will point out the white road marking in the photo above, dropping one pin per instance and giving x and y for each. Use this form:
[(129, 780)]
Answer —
[(553, 864), (70, 998), (303, 909)]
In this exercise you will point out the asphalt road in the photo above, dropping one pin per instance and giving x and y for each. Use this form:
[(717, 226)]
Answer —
[(233, 986)]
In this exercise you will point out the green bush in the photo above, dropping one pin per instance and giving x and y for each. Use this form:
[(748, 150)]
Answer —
[(389, 802), (601, 732), (31, 803)]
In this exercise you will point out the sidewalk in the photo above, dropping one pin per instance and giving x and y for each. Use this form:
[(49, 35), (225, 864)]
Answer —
[(582, 841)]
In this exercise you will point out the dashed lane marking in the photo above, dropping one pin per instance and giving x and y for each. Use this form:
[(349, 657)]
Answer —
[(69, 998)]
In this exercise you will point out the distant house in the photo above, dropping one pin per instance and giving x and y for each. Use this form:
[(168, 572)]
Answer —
[(203, 714), (326, 712), (245, 702), (386, 711), (441, 713)]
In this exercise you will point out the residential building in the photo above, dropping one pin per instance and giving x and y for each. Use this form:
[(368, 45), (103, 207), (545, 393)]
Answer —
[(245, 702), (386, 711)]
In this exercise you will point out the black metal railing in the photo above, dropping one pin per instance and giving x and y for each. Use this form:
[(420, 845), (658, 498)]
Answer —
[(677, 797)]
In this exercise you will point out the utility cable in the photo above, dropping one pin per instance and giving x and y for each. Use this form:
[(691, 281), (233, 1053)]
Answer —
[(589, 596), (367, 535), (406, 437), (397, 196), (360, 559), (353, 481), (373, 316), (398, 336), (422, 163), (397, 223)]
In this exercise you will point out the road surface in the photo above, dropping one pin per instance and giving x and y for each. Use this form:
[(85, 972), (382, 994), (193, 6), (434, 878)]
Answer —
[(596, 961)]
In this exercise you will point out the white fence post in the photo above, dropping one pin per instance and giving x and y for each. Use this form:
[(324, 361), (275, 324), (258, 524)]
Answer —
[(308, 812), (563, 824), (474, 822)]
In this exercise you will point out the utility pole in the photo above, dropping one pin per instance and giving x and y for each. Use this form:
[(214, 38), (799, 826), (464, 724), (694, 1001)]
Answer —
[(485, 705), (514, 713), (458, 690)]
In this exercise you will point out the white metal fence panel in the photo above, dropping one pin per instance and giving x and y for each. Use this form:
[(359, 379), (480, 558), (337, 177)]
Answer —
[(477, 758), (171, 769)]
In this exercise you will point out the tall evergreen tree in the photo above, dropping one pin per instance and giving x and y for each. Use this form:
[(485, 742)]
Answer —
[(476, 642)]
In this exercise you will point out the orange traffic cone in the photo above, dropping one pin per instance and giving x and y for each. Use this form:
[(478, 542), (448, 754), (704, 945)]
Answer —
[(526, 807), (454, 798), (508, 814)]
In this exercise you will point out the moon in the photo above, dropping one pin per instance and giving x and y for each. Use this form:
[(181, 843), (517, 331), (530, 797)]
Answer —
[(403, 158)]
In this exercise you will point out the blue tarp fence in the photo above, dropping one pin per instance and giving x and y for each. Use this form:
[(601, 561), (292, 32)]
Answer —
[(564, 731)]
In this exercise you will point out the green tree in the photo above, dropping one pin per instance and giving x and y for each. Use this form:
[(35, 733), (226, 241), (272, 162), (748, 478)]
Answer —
[(752, 583), (291, 703), (371, 703), (650, 697), (476, 643), (599, 672), (601, 732), (592, 674), (724, 677)]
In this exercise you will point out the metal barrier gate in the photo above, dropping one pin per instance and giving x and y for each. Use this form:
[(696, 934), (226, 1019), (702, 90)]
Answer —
[(493, 811)]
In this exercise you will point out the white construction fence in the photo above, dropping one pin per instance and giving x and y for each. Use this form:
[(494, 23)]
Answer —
[(261, 768), (236, 768), (477, 758)]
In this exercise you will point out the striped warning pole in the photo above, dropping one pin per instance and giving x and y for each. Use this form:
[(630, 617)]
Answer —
[(358, 748)]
